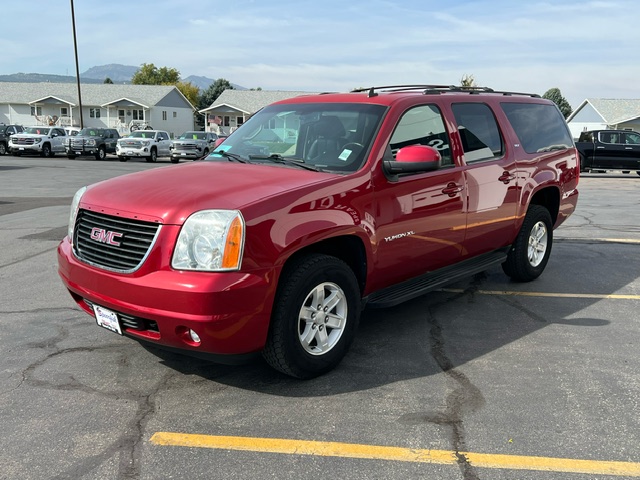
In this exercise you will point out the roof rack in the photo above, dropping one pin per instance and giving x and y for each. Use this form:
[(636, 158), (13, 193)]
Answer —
[(437, 89)]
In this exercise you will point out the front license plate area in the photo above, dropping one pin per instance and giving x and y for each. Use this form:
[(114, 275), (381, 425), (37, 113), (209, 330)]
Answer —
[(107, 319)]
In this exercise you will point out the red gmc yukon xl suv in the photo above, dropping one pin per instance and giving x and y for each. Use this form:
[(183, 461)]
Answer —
[(315, 207)]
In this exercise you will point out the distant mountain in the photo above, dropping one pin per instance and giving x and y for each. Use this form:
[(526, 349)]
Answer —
[(118, 73), (43, 77), (115, 71)]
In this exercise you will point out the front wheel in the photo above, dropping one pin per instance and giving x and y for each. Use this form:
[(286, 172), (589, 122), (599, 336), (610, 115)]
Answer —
[(153, 157), (530, 252), (315, 316), (101, 154), (46, 150), (3, 148)]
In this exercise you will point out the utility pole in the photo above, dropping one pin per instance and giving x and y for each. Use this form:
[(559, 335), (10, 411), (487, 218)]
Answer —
[(75, 49)]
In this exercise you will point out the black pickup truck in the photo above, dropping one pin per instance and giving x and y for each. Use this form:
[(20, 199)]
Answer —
[(609, 150)]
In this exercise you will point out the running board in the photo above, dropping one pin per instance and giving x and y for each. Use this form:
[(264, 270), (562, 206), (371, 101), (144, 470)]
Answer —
[(428, 282)]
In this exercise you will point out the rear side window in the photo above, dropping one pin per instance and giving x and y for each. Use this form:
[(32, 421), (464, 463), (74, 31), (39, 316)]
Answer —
[(479, 132), (422, 125), (539, 127)]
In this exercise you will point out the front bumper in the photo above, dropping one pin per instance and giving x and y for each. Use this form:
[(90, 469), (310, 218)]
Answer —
[(34, 148), (80, 151), (133, 151), (229, 311), (186, 154)]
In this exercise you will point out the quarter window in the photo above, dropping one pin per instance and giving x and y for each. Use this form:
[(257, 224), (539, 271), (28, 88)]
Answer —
[(539, 127), (632, 139), (422, 125), (479, 132)]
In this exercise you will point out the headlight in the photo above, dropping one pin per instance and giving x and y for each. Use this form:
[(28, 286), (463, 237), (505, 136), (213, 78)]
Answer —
[(74, 211), (91, 142), (210, 240), (37, 140), (146, 143)]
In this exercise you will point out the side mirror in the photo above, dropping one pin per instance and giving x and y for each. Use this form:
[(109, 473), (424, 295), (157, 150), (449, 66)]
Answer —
[(413, 159)]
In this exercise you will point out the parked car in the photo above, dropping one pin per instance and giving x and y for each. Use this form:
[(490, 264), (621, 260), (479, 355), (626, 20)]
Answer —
[(609, 150), (46, 141), (96, 142), (192, 145), (274, 244), (5, 132), (148, 144)]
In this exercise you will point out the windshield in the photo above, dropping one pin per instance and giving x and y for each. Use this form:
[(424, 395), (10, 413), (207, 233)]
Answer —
[(90, 132), (37, 130), (143, 134), (327, 136), (193, 136)]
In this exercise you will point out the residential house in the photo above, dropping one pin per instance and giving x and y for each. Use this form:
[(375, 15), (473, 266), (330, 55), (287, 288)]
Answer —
[(605, 113), (233, 107), (103, 105)]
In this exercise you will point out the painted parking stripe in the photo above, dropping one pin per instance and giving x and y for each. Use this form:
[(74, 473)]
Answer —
[(632, 241), (373, 452), (611, 296)]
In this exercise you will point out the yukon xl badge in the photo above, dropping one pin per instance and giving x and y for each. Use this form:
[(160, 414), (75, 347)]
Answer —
[(104, 236)]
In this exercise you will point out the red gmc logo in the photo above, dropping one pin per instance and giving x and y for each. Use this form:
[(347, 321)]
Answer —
[(104, 236)]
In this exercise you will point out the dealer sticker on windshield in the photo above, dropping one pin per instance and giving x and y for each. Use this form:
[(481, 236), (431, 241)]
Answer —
[(107, 319)]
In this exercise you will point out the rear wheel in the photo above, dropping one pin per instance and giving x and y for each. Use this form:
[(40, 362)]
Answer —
[(530, 252), (3, 148), (315, 316)]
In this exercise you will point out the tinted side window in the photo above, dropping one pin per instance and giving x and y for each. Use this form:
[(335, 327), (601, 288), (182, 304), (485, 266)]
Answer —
[(479, 132), (540, 128), (632, 138), (422, 125)]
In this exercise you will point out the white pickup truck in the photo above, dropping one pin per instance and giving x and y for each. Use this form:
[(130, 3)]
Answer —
[(46, 141), (149, 144)]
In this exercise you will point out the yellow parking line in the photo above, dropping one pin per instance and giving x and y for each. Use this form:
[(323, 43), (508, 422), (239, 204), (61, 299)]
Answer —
[(373, 452), (611, 296)]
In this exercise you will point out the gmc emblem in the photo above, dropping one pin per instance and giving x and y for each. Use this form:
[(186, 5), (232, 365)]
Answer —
[(104, 236)]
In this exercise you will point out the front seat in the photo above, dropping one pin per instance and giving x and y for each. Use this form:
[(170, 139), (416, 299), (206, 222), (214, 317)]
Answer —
[(329, 136)]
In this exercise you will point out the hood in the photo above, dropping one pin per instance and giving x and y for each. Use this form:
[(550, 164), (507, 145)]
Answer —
[(170, 194)]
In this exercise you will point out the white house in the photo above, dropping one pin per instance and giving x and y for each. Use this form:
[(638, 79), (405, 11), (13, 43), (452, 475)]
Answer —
[(233, 107), (103, 105), (605, 113)]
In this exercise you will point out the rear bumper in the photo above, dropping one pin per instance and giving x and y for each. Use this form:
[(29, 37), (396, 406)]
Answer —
[(229, 311)]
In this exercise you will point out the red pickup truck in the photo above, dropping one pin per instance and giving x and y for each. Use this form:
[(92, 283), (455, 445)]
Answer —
[(316, 207)]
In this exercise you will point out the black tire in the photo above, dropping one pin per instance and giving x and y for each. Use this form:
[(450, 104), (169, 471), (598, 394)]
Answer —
[(638, 172), (71, 157), (122, 158), (175, 159), (46, 150), (101, 154), (153, 156), (16, 154), (3, 148), (530, 252), (301, 316), (582, 166)]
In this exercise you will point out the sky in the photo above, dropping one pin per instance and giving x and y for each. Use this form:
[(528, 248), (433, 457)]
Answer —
[(587, 49)]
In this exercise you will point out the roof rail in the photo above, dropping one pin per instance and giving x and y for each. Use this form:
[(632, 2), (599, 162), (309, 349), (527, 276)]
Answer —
[(437, 89)]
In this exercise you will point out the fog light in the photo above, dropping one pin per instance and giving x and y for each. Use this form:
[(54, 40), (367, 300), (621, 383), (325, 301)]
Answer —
[(194, 336)]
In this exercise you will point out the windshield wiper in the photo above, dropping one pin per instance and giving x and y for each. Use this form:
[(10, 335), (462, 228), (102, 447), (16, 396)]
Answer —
[(277, 158), (229, 156)]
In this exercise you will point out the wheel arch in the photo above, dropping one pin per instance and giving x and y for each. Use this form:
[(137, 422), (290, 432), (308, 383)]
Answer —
[(348, 248), (548, 197)]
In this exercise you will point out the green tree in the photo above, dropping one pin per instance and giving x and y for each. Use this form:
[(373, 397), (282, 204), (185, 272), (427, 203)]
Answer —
[(108, 80), (556, 97), (213, 92), (190, 91), (149, 74)]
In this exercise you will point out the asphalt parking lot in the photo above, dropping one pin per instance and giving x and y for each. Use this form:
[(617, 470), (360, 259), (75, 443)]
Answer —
[(487, 379)]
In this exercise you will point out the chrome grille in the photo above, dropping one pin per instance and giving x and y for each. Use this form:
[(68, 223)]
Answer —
[(112, 243), (77, 142), (23, 140)]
